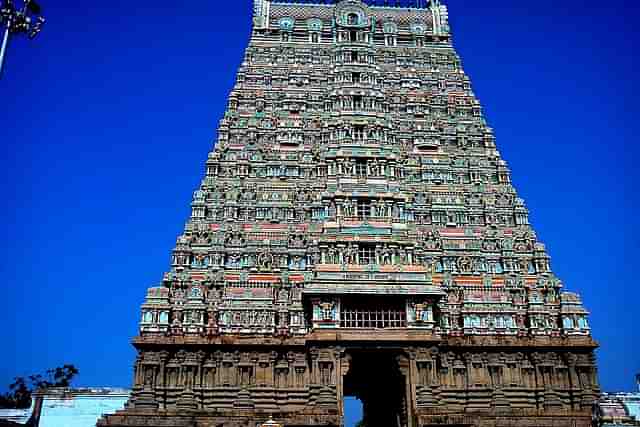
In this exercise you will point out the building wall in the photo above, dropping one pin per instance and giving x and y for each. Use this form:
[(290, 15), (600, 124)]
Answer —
[(80, 408), (20, 416), (618, 409)]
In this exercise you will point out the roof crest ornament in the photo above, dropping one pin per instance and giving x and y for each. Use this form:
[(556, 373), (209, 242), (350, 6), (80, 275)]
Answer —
[(411, 4)]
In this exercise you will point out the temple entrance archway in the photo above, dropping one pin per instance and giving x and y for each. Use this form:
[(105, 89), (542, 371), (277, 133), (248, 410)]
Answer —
[(376, 378)]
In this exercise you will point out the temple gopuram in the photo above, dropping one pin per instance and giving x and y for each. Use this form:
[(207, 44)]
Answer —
[(357, 233)]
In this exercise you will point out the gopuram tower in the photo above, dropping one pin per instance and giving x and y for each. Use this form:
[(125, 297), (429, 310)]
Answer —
[(357, 234)]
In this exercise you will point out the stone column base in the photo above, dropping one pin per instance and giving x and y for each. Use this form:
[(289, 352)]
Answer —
[(504, 420), (139, 418)]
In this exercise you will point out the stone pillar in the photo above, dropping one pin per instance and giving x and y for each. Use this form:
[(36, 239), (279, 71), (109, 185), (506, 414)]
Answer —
[(412, 380), (404, 365)]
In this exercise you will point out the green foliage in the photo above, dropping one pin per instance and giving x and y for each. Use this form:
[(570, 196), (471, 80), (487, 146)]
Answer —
[(19, 395), (360, 424)]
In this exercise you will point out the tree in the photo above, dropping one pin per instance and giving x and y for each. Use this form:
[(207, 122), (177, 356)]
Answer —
[(19, 395), (57, 377)]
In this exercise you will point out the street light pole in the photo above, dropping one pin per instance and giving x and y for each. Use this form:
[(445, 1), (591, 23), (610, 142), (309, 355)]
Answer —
[(5, 41), (27, 20)]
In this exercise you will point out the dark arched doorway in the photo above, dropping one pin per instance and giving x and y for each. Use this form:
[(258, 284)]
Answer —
[(375, 378)]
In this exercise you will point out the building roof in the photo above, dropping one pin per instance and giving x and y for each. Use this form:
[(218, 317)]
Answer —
[(619, 409)]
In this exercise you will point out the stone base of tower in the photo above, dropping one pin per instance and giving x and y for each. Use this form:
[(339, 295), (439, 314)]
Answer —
[(467, 381), (135, 418)]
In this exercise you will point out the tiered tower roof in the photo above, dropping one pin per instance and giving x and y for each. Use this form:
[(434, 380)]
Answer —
[(354, 158)]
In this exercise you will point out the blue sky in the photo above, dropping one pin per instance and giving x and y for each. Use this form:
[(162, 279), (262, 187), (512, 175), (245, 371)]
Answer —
[(107, 119)]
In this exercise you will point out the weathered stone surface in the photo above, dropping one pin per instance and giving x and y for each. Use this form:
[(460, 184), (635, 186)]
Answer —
[(357, 233)]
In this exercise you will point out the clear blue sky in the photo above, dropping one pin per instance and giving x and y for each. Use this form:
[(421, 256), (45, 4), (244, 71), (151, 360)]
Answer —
[(108, 117)]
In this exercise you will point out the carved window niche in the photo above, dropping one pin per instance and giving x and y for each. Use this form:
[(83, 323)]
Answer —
[(299, 379), (568, 322), (511, 373), (245, 375), (325, 313), (425, 372), (478, 373), (528, 375), (459, 375), (163, 318), (189, 375), (282, 375), (562, 376), (228, 377), (148, 317), (420, 315), (209, 375), (263, 376), (585, 375), (496, 374), (583, 323), (173, 372), (326, 373), (286, 26)]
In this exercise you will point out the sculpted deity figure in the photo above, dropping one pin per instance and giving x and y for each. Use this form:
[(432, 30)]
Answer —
[(389, 209), (332, 255), (328, 310), (386, 256), (378, 259), (332, 210), (402, 256), (233, 260), (347, 208), (374, 208), (396, 211), (297, 262), (350, 254), (373, 168)]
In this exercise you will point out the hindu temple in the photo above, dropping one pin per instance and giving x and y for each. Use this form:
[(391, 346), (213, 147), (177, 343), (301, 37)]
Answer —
[(356, 233)]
